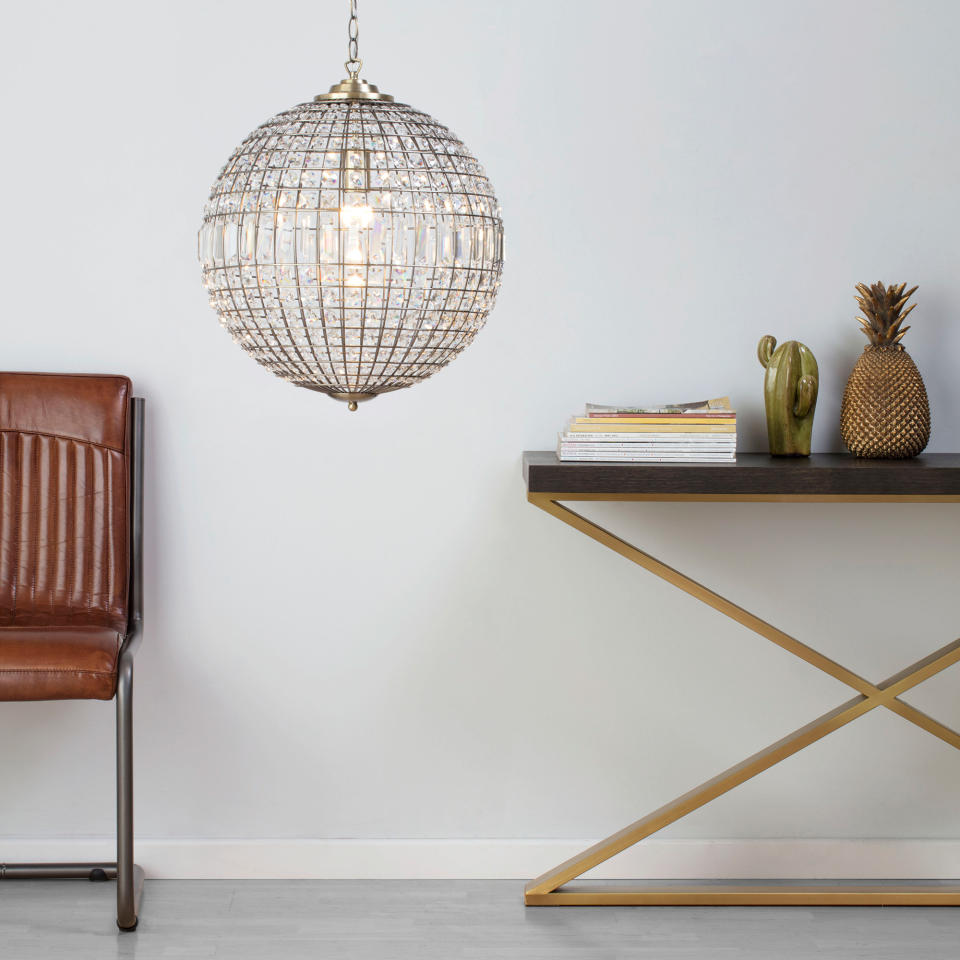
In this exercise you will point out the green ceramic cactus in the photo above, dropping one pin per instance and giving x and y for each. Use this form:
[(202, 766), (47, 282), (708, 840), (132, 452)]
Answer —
[(790, 390)]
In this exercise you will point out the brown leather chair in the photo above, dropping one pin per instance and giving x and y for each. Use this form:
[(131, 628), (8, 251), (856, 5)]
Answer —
[(71, 532)]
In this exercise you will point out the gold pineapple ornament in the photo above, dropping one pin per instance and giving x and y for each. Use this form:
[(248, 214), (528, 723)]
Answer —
[(885, 412)]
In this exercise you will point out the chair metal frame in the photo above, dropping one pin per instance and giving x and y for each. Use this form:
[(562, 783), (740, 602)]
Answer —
[(129, 875)]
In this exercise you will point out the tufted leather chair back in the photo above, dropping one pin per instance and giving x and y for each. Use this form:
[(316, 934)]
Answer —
[(64, 500)]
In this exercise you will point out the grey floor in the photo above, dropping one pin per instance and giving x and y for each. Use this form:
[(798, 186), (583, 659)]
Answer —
[(397, 920)]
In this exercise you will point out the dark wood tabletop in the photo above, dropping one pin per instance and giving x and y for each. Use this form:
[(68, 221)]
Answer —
[(931, 475)]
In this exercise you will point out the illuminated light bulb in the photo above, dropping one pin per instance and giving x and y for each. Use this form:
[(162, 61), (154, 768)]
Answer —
[(356, 216)]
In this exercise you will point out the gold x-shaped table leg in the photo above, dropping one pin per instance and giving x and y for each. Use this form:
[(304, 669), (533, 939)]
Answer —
[(546, 889)]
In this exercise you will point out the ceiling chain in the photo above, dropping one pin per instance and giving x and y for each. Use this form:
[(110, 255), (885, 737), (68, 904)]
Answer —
[(354, 63)]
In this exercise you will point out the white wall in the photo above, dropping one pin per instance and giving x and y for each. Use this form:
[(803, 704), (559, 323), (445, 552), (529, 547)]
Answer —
[(357, 627)]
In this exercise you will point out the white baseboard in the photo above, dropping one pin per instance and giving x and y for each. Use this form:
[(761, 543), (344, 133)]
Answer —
[(510, 859)]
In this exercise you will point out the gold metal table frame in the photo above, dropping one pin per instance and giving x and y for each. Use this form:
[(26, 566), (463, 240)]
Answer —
[(553, 888)]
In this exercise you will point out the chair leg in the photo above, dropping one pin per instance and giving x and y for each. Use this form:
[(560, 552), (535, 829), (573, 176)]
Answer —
[(129, 875)]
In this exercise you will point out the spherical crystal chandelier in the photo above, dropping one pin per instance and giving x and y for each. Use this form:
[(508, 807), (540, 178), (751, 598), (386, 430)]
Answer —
[(352, 245)]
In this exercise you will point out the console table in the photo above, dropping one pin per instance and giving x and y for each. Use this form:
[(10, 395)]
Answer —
[(932, 478)]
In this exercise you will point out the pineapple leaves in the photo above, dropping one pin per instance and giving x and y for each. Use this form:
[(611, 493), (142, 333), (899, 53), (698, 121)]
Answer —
[(895, 326), (883, 307)]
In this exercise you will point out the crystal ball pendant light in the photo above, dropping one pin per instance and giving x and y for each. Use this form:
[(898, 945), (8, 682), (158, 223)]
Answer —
[(352, 245)]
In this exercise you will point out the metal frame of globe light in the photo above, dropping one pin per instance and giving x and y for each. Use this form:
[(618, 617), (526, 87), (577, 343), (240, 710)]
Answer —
[(353, 88)]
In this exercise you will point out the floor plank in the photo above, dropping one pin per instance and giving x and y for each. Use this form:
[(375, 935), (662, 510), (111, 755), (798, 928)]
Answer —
[(440, 920)]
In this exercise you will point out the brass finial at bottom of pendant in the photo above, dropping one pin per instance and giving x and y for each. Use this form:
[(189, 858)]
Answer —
[(350, 399)]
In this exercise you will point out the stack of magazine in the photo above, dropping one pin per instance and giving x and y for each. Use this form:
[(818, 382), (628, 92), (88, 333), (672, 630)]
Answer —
[(702, 432)]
